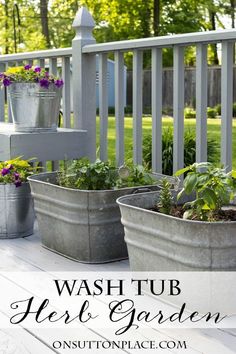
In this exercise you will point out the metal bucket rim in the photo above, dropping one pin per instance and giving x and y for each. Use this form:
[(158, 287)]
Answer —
[(121, 201), (33, 83), (12, 184)]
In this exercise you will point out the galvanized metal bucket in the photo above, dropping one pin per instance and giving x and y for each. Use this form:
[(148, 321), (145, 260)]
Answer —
[(16, 211), (80, 224), (34, 108), (160, 242)]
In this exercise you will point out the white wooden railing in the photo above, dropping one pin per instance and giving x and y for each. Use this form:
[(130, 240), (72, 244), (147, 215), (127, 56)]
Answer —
[(83, 53)]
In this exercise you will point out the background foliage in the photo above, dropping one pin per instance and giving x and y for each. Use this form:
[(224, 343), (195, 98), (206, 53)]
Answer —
[(48, 23)]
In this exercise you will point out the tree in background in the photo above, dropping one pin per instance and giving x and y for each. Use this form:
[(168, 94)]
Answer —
[(44, 20), (48, 23), (31, 37), (61, 14)]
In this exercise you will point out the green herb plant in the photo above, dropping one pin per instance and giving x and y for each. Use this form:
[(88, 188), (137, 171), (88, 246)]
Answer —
[(136, 176), (213, 188), (100, 175), (166, 199)]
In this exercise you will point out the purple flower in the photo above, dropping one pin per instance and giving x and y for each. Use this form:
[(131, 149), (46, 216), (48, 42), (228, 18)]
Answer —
[(27, 67), (46, 73), (5, 171), (18, 183), (6, 81), (16, 175), (59, 83), (37, 69), (2, 75), (44, 83)]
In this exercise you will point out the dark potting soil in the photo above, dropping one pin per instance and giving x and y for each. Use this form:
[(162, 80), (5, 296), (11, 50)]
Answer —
[(227, 214)]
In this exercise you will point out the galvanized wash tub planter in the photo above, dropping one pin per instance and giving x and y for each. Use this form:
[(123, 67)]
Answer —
[(34, 108), (16, 211), (82, 225), (159, 242)]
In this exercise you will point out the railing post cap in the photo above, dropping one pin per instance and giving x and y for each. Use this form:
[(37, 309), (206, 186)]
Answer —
[(83, 18)]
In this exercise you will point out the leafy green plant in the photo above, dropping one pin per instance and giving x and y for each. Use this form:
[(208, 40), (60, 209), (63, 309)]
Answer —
[(234, 109), (136, 176), (211, 112), (189, 113), (165, 202), (167, 150), (218, 109), (213, 187), (100, 175)]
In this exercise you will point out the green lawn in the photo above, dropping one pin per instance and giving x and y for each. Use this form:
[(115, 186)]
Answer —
[(213, 133)]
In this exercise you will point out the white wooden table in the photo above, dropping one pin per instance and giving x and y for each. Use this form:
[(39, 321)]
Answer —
[(49, 146)]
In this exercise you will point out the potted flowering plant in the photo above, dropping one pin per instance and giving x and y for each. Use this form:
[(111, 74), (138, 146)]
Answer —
[(77, 212), (193, 229), (16, 207), (34, 97)]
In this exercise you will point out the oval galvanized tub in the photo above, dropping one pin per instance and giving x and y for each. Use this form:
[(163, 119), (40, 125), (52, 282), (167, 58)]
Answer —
[(159, 242), (16, 211), (82, 225), (33, 107)]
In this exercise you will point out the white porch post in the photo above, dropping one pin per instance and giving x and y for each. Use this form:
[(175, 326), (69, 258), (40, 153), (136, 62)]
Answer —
[(84, 79)]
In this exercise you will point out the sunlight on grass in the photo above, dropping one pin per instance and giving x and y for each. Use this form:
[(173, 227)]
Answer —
[(214, 126)]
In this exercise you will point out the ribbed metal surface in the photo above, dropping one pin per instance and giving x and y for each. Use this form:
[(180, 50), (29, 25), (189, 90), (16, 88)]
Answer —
[(16, 211), (82, 225), (34, 108), (158, 242)]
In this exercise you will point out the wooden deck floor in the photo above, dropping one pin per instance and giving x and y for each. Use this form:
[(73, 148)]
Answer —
[(27, 254)]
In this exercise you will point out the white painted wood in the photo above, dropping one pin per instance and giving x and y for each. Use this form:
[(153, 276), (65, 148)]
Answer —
[(226, 104), (165, 41), (66, 92), (84, 80), (25, 340), (157, 110), (53, 66), (137, 106), (178, 106), (201, 103), (65, 143), (44, 54), (204, 341), (55, 165), (119, 107), (103, 105), (2, 97), (42, 63)]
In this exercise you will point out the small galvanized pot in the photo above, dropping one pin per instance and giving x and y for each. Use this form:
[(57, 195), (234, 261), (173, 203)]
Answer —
[(16, 211), (34, 108), (80, 224), (159, 242)]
